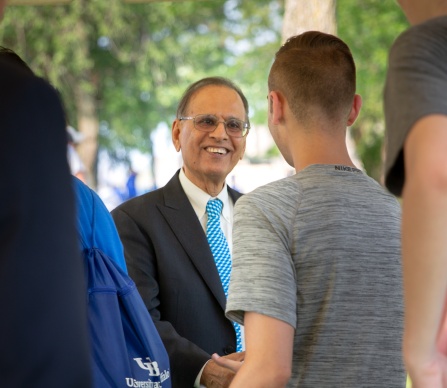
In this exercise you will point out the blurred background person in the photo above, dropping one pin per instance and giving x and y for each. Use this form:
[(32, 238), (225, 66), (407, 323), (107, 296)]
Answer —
[(77, 168), (416, 169)]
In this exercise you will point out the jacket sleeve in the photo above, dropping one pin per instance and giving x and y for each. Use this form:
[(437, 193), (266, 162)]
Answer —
[(186, 358)]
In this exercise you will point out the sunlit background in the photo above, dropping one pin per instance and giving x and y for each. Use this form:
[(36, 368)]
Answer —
[(121, 67)]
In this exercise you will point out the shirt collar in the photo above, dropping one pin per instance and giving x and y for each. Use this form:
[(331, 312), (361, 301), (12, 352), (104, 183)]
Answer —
[(200, 198)]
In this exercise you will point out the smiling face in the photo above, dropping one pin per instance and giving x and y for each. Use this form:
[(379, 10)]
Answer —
[(208, 157)]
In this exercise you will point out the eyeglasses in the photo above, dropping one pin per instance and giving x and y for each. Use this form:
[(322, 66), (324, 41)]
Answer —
[(208, 123)]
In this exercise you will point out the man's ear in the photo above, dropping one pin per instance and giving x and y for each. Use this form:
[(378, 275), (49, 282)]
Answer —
[(276, 107), (355, 109), (176, 134)]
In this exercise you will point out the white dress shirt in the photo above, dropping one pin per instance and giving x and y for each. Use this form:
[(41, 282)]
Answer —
[(198, 199)]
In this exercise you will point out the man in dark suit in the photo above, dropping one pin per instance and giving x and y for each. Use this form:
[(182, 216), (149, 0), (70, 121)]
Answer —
[(43, 324), (164, 234)]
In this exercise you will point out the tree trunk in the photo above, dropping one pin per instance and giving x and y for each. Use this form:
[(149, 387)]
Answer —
[(88, 125), (85, 90), (305, 15)]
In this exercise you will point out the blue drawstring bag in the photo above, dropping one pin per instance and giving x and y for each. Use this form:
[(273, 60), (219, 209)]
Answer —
[(127, 350), (126, 347)]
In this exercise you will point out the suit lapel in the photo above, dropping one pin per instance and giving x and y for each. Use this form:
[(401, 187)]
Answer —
[(183, 221), (234, 195)]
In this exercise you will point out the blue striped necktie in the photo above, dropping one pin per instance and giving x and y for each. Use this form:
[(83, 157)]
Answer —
[(219, 248)]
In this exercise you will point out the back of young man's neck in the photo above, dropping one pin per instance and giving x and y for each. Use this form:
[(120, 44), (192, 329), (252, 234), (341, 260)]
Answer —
[(333, 159)]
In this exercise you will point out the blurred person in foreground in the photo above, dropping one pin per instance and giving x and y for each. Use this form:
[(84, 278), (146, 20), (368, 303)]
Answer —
[(416, 169), (43, 328), (316, 269), (169, 238)]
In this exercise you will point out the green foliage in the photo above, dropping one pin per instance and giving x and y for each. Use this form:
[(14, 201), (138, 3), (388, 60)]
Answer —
[(137, 59), (369, 27), (255, 36)]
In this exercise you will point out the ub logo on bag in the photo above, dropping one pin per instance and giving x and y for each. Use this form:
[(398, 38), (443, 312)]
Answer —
[(152, 367), (154, 371)]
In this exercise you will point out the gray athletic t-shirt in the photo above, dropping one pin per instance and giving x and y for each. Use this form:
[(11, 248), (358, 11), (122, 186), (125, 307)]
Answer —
[(416, 86), (321, 251)]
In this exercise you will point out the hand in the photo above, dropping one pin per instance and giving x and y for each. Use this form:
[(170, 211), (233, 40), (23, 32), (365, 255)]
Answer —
[(217, 376), (227, 363)]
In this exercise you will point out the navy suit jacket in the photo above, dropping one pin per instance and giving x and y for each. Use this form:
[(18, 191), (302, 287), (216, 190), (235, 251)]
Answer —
[(169, 259)]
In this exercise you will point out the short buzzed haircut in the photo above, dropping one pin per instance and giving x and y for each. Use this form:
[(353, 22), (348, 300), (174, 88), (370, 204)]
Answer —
[(315, 72)]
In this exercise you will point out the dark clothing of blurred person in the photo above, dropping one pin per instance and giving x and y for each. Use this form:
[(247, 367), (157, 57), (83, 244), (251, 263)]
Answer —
[(43, 328)]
